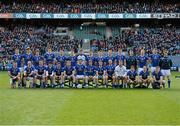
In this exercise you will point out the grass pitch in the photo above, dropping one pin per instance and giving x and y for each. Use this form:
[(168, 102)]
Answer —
[(89, 106)]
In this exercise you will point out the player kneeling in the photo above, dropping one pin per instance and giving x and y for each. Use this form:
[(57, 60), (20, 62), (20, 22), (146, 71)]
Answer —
[(120, 73), (69, 72), (29, 75), (40, 74), (158, 81), (59, 78), (90, 74), (144, 78), (132, 78), (14, 74), (50, 75)]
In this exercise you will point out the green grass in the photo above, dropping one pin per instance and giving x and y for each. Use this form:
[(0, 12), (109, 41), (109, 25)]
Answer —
[(89, 106)]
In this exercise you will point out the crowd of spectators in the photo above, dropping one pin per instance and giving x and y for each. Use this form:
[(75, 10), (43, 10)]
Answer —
[(35, 38), (118, 7), (136, 39)]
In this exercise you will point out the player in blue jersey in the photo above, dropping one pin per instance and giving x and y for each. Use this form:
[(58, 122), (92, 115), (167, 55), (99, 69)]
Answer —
[(29, 75), (50, 75), (69, 73), (110, 57), (36, 58), (120, 57), (92, 58), (142, 61), (40, 74), (61, 58), (165, 65), (158, 81), (100, 73), (144, 78), (155, 59), (80, 72), (130, 60), (59, 75), (14, 74), (110, 73), (17, 57), (100, 57), (28, 56), (90, 72), (132, 77), (49, 56)]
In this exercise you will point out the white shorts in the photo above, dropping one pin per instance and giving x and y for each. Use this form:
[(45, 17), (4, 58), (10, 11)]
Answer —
[(153, 69), (166, 72), (79, 76), (139, 70)]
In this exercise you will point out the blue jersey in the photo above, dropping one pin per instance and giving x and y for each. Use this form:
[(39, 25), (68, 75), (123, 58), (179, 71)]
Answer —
[(142, 61), (103, 59), (50, 70), (155, 58), (58, 71), (49, 57), (120, 57), (110, 69), (27, 57), (157, 75), (61, 59), (91, 58), (100, 70), (14, 71), (17, 58), (40, 70), (29, 70), (90, 70), (80, 69), (132, 74), (144, 74), (36, 60), (107, 58), (68, 70)]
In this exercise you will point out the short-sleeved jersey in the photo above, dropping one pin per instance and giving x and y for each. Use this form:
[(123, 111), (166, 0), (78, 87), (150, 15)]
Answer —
[(132, 74), (80, 69), (90, 70), (100, 70), (157, 75), (58, 71), (17, 58), (61, 59), (103, 59), (27, 57), (29, 70), (131, 60), (110, 69), (165, 63), (50, 70), (68, 70), (107, 58), (142, 61), (155, 58), (93, 58), (36, 60), (40, 70), (144, 75), (14, 71), (49, 57), (120, 57)]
